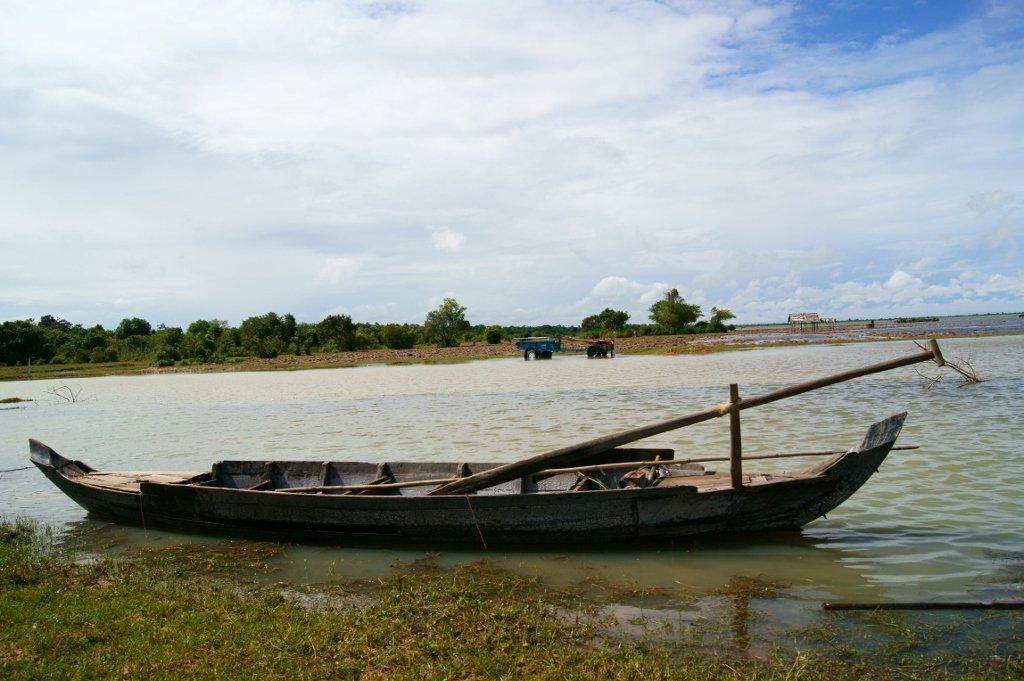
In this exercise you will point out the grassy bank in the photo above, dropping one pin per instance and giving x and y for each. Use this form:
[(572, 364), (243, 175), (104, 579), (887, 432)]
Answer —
[(65, 371), (197, 612), (283, 363)]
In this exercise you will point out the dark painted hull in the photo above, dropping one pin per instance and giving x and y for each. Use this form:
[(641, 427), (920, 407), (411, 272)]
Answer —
[(581, 517)]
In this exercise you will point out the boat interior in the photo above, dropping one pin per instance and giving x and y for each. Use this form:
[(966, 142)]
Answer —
[(616, 469)]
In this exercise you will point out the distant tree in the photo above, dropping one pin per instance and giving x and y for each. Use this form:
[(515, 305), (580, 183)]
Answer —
[(718, 319), (266, 335), (447, 323), (555, 330), (673, 314), (132, 327), (493, 334), (21, 341), (336, 333), (204, 339), (367, 336), (79, 345), (607, 320), (399, 336), (168, 344), (202, 326), (288, 328), (305, 338), (171, 336), (51, 322), (134, 348)]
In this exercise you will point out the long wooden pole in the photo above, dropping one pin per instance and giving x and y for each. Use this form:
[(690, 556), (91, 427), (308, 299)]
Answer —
[(735, 444), (566, 456)]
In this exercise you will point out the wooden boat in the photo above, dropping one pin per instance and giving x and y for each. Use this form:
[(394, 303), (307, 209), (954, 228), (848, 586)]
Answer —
[(592, 503), (592, 492)]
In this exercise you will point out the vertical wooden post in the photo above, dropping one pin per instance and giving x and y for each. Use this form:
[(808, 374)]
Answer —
[(933, 345), (735, 444)]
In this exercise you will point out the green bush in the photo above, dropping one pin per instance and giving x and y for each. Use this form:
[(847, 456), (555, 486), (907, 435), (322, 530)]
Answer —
[(399, 336)]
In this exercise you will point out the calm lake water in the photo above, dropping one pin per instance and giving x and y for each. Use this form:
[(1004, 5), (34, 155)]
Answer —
[(945, 521)]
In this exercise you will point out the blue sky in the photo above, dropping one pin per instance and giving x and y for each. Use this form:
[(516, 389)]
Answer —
[(860, 24), (537, 161)]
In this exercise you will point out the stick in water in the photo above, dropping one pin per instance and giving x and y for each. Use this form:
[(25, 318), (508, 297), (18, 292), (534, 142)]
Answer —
[(928, 605)]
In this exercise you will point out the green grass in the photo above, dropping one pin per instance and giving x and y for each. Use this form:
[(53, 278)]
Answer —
[(195, 611), (67, 371), (56, 371)]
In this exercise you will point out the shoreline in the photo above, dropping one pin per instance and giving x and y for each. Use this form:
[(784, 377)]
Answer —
[(739, 339), (743, 338)]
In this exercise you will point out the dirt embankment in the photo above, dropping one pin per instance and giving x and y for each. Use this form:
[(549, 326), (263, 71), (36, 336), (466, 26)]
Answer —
[(461, 353), (746, 337)]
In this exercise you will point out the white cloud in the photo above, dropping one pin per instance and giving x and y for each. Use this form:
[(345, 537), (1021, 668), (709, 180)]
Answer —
[(903, 284), (337, 270), (161, 153), (448, 240), (620, 287)]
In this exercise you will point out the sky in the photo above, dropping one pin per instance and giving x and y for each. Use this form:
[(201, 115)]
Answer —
[(537, 161)]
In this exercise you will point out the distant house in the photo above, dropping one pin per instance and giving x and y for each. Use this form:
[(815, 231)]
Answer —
[(805, 320)]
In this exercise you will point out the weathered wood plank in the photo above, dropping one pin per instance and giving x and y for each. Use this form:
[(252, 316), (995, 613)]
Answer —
[(129, 481)]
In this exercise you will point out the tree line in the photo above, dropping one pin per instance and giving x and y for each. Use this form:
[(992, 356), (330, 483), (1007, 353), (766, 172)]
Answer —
[(56, 341)]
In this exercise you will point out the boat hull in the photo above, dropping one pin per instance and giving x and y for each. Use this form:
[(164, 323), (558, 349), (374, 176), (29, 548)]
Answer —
[(599, 516)]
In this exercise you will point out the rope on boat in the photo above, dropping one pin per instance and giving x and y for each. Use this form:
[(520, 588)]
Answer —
[(476, 522), (15, 470)]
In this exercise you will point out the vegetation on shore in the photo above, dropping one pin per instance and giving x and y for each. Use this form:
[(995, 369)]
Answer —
[(915, 320), (56, 349), (56, 341), (198, 611), (740, 339)]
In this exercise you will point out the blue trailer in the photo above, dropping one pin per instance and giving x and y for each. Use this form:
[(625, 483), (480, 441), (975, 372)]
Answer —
[(543, 347)]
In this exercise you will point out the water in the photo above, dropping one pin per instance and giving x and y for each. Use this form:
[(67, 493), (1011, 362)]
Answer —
[(941, 522)]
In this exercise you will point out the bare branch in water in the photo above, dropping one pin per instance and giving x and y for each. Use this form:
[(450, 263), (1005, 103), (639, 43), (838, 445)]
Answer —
[(65, 392), (960, 365)]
